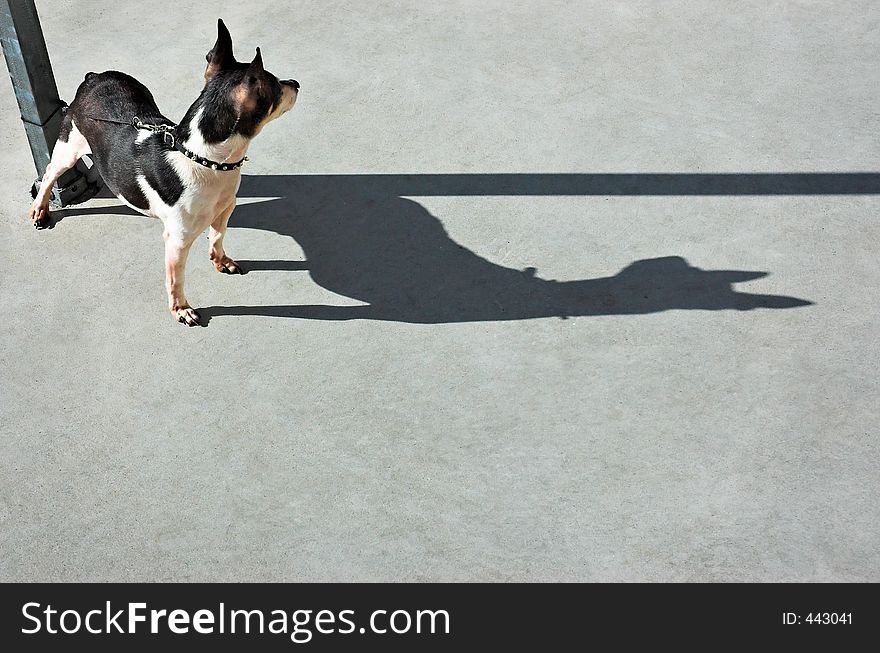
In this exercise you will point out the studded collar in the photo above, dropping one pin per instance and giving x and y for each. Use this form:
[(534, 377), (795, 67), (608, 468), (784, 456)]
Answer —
[(213, 165)]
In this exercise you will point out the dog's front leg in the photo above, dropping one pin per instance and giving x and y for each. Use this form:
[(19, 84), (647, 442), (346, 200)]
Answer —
[(216, 232), (176, 251)]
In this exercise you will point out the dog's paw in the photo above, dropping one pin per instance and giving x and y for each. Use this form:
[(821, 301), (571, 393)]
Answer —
[(186, 315), (227, 266), (39, 216)]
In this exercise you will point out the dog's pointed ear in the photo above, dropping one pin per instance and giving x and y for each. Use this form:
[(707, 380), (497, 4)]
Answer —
[(256, 67), (220, 56)]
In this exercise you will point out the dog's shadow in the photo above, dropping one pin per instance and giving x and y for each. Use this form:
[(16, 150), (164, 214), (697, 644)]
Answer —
[(364, 241)]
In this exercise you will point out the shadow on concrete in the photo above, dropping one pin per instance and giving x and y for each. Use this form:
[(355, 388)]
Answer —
[(364, 239)]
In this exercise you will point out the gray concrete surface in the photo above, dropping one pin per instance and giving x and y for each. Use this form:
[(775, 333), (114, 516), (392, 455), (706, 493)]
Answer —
[(456, 428)]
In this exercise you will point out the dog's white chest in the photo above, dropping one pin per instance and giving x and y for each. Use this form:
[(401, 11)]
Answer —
[(206, 195)]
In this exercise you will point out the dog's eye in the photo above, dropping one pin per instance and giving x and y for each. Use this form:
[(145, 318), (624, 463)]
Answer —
[(252, 80)]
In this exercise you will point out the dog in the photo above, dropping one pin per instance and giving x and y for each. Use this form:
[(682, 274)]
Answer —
[(186, 175)]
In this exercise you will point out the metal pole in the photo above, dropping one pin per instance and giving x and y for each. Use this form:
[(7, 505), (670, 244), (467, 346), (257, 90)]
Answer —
[(28, 61)]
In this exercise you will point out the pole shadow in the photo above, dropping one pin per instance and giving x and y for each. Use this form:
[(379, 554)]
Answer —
[(365, 240)]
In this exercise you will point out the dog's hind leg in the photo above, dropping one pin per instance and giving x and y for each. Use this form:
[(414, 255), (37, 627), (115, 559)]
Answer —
[(65, 154)]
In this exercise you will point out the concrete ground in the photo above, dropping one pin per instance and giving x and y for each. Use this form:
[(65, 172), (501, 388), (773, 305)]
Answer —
[(397, 390)]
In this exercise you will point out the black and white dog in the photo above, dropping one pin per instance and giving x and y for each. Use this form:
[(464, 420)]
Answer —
[(185, 175)]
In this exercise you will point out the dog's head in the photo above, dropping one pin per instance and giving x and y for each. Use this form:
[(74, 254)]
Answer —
[(245, 92)]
